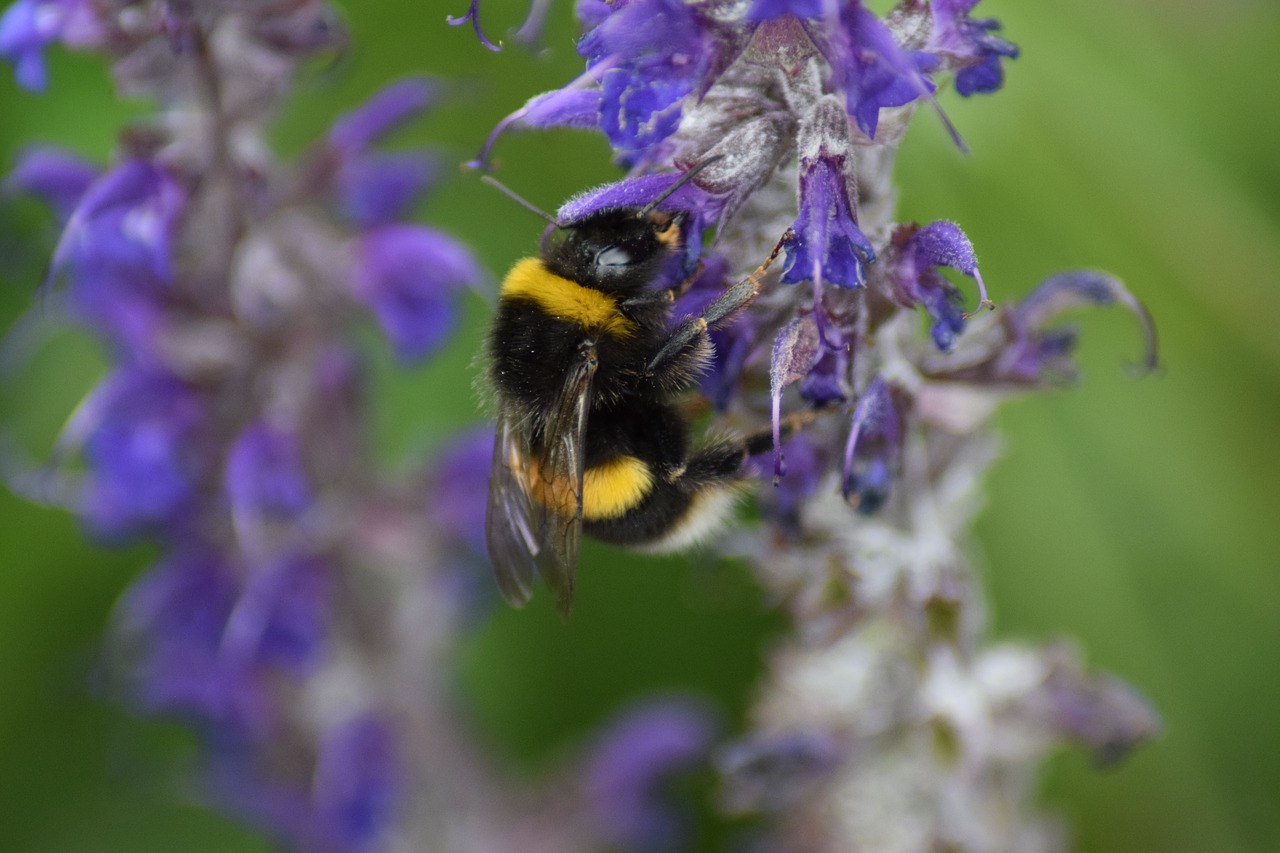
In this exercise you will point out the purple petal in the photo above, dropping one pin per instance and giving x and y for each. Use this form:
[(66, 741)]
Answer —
[(357, 782), (635, 756), (58, 178), (380, 189), (875, 442), (264, 473), (458, 490), (473, 16), (767, 10), (141, 454), (410, 276), (280, 617), (382, 113), (1083, 288), (828, 245)]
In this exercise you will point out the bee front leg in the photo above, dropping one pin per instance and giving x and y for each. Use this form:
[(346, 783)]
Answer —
[(690, 334)]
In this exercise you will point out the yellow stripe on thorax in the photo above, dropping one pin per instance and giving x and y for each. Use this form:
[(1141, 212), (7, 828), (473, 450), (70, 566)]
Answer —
[(565, 299), (611, 489)]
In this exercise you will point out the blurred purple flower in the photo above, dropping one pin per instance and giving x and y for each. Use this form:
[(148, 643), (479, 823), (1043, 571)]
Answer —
[(918, 252), (637, 753), (143, 453), (356, 784), (28, 26), (264, 474), (871, 453), (411, 277), (58, 178)]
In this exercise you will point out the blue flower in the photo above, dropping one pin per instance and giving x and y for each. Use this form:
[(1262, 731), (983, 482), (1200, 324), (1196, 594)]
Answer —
[(280, 617), (264, 474), (872, 69)]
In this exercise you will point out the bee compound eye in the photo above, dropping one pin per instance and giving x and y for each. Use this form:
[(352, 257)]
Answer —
[(613, 256)]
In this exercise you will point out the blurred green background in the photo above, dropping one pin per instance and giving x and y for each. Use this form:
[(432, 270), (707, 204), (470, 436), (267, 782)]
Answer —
[(1139, 517)]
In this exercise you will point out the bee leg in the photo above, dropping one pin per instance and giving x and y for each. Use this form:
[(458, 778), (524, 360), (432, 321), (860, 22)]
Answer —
[(735, 298)]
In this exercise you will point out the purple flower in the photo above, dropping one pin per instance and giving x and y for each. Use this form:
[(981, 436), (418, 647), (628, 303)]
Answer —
[(1037, 351), (356, 784), (872, 69), (280, 617), (766, 10), (375, 188), (873, 448), (58, 178), (175, 617), (458, 490), (828, 246), (410, 277), (660, 52), (116, 249), (916, 281), (637, 753), (473, 15), (264, 474), (143, 453), (971, 44), (28, 26)]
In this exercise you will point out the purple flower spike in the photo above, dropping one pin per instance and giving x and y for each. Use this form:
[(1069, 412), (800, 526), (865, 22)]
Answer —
[(357, 783), (264, 475), (635, 756), (141, 452), (875, 440), (473, 15), (28, 26), (58, 178), (410, 276)]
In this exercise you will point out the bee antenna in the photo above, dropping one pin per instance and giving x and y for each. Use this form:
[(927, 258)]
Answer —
[(684, 179), (527, 205)]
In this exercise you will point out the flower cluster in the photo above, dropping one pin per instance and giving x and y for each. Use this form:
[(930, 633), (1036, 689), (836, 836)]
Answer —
[(886, 723)]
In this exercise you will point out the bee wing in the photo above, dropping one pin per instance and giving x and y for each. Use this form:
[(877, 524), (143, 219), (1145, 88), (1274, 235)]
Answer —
[(534, 517), (558, 493), (509, 526)]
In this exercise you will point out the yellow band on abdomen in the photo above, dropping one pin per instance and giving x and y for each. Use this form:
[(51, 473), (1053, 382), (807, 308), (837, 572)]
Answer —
[(611, 489), (565, 299)]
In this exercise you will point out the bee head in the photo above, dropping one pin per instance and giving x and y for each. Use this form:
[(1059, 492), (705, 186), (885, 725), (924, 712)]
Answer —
[(616, 251)]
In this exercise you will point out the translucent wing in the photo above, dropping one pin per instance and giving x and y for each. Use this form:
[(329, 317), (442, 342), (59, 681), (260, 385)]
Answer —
[(510, 531), (535, 494)]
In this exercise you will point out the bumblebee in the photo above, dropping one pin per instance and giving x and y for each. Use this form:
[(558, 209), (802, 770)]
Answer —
[(587, 370)]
